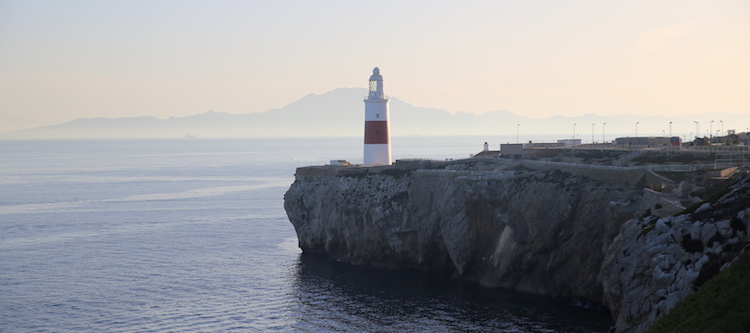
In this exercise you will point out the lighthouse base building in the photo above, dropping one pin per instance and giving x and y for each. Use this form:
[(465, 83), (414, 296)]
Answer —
[(377, 128)]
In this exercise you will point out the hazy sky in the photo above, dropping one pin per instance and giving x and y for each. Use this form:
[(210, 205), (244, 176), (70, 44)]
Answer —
[(61, 60)]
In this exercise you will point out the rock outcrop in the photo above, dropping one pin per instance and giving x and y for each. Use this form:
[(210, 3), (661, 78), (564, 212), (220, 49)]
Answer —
[(544, 232), (584, 234), (656, 262)]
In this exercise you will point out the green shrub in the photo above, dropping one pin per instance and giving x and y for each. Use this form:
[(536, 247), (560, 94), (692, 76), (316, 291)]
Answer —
[(721, 305)]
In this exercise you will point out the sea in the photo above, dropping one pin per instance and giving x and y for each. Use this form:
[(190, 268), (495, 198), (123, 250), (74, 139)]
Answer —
[(190, 235)]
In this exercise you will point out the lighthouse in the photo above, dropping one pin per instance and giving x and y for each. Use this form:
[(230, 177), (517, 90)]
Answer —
[(377, 128)]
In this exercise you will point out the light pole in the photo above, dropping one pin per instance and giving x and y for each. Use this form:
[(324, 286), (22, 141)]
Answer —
[(517, 129), (722, 127), (574, 131), (592, 133), (710, 129), (697, 128), (636, 131), (670, 129), (603, 140)]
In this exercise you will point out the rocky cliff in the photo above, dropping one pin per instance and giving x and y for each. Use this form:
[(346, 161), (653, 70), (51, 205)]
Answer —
[(565, 232), (656, 262)]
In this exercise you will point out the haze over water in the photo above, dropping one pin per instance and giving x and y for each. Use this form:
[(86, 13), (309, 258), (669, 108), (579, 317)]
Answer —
[(191, 235), (63, 60)]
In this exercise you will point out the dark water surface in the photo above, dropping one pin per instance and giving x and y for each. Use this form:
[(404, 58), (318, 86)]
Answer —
[(191, 235)]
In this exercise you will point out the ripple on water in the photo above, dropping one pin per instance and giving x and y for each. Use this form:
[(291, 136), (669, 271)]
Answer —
[(152, 237)]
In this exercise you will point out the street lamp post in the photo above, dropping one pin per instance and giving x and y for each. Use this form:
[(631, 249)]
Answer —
[(603, 140), (592, 133), (710, 129), (722, 127), (574, 131), (517, 129), (697, 128), (670, 129), (636, 131)]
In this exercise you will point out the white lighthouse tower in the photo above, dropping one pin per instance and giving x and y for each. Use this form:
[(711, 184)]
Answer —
[(377, 128)]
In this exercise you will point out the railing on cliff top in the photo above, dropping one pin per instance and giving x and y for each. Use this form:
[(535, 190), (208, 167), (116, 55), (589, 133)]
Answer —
[(708, 149), (670, 167)]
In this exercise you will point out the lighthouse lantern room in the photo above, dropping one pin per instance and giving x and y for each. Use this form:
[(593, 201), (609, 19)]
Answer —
[(377, 128)]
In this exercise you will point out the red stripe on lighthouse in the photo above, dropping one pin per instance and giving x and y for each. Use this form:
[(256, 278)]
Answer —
[(376, 132)]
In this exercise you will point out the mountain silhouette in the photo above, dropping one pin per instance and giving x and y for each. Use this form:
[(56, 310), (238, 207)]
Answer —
[(340, 112)]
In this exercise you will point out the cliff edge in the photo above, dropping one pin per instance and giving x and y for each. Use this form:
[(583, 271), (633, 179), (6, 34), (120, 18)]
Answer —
[(567, 231), (656, 262)]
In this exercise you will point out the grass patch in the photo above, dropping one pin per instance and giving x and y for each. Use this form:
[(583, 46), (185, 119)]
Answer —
[(594, 154), (674, 157), (712, 199), (647, 229), (716, 196), (690, 209), (721, 305)]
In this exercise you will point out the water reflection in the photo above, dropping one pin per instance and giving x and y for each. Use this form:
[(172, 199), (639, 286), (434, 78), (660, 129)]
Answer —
[(333, 296)]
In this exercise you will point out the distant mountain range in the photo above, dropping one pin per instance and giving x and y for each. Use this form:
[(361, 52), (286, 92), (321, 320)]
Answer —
[(341, 112)]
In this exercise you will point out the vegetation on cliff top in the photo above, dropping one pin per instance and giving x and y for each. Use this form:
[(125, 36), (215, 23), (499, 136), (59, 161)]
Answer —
[(658, 157), (720, 305)]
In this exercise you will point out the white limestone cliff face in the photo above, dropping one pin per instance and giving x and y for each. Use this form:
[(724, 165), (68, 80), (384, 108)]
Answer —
[(573, 236), (656, 262), (540, 232)]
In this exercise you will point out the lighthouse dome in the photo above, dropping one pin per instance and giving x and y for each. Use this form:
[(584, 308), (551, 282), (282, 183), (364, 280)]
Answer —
[(376, 75)]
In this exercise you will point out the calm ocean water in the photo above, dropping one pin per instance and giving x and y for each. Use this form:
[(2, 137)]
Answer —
[(191, 235)]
